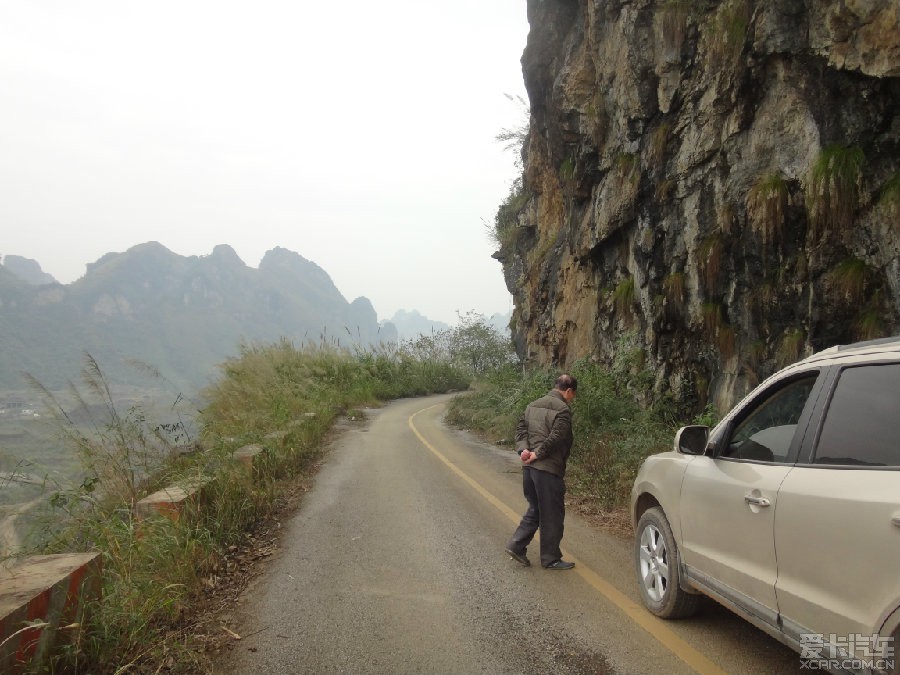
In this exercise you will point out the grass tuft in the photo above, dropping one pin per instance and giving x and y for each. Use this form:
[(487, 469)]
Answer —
[(849, 278), (767, 204), (675, 292), (833, 192), (727, 33), (711, 253), (624, 296), (889, 199)]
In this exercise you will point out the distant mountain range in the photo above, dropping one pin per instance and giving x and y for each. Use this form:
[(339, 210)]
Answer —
[(411, 324), (179, 315)]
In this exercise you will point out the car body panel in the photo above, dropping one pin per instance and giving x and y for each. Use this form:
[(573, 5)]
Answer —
[(662, 477), (723, 534), (825, 518)]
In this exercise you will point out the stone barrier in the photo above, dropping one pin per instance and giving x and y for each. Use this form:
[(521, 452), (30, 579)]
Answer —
[(43, 598), (42, 604), (250, 456), (171, 501)]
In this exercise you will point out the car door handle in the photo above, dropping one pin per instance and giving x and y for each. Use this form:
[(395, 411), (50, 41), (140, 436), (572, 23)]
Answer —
[(757, 501)]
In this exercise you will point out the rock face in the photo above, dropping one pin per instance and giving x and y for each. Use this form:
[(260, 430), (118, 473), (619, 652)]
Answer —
[(27, 269), (713, 185)]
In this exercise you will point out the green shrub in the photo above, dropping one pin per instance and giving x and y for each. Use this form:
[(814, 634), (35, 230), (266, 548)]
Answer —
[(727, 33), (567, 170), (627, 170), (506, 220)]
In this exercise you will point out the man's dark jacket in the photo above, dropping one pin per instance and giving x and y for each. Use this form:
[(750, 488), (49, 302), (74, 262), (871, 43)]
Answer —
[(546, 429)]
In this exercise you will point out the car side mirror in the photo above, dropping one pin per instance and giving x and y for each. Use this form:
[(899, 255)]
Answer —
[(692, 440)]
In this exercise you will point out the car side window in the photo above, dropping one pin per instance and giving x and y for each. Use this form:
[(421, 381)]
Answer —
[(766, 432), (862, 423)]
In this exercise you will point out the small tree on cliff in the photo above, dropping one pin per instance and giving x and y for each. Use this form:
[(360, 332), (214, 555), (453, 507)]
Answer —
[(513, 138), (502, 231)]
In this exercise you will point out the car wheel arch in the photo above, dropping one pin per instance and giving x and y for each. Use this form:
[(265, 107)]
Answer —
[(642, 504), (890, 627)]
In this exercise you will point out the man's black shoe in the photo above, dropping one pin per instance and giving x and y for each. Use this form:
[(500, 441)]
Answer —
[(519, 558), (560, 565)]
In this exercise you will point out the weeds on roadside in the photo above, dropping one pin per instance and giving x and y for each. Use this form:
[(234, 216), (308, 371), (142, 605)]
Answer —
[(122, 453)]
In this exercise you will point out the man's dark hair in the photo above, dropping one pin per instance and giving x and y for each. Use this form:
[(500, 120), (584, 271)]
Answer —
[(564, 382)]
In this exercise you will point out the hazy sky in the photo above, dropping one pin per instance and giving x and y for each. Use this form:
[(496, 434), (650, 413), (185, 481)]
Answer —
[(358, 133)]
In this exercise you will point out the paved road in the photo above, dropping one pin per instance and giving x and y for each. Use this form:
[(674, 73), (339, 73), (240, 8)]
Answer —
[(395, 564)]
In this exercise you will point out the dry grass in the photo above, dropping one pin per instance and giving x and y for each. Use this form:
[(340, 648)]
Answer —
[(664, 190), (767, 204), (726, 34), (833, 191), (849, 280), (624, 297), (656, 147), (673, 19), (675, 291), (711, 253)]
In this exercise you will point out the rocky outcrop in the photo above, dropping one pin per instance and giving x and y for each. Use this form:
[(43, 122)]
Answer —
[(714, 185), (27, 269)]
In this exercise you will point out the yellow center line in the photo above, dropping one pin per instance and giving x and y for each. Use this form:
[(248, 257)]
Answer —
[(653, 625)]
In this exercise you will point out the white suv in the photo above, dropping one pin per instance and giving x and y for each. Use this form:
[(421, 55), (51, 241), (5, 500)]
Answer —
[(788, 510)]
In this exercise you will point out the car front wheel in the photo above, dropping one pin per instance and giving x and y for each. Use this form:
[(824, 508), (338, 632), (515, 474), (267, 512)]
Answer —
[(658, 570)]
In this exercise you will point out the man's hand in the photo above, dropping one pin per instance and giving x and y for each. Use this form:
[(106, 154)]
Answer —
[(528, 456)]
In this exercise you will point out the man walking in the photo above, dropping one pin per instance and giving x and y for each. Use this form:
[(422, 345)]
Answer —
[(543, 441)]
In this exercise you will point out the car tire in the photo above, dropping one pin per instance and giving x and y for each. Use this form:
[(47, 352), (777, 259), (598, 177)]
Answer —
[(657, 563)]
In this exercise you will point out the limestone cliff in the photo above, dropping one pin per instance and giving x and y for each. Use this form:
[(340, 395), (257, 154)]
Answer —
[(715, 184)]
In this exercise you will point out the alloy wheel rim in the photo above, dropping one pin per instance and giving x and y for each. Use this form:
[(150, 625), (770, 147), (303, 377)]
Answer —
[(654, 563)]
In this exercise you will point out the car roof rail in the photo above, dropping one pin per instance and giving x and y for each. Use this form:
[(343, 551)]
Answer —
[(871, 343), (866, 344)]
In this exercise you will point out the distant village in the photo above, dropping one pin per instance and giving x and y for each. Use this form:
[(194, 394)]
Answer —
[(17, 407)]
